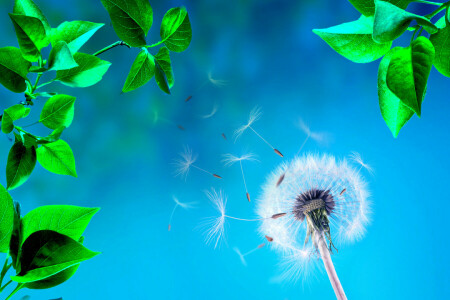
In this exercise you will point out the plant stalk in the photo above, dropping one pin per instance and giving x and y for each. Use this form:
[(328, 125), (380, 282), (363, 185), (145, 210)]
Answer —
[(118, 43), (329, 267), (18, 287)]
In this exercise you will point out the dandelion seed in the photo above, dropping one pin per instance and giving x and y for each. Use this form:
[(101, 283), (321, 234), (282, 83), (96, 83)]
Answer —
[(216, 82), (319, 215), (224, 136), (356, 157), (268, 238), (255, 114), (243, 255), (230, 159), (214, 227), (157, 118), (186, 161), (212, 113), (188, 98), (188, 205)]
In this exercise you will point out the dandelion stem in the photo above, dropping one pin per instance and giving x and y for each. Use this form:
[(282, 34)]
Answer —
[(243, 177), (261, 137), (203, 170), (248, 220), (329, 267)]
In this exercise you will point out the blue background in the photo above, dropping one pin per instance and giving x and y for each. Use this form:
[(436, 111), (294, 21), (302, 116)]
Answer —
[(269, 56)]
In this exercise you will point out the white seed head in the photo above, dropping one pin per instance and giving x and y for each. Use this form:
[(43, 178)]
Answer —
[(214, 227), (216, 82), (348, 218), (241, 256), (255, 114), (184, 162), (185, 205), (212, 113), (230, 159), (356, 157)]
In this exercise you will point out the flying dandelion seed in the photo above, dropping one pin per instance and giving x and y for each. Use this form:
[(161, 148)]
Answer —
[(157, 118), (214, 227), (224, 136), (186, 161), (215, 82), (212, 113), (255, 114), (316, 136), (326, 203), (356, 157), (230, 159), (243, 255), (186, 206)]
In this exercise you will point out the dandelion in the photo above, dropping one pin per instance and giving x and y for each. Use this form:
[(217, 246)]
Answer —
[(230, 159), (215, 226), (243, 255), (216, 82), (255, 114), (188, 205), (186, 161), (212, 113), (356, 157), (157, 118), (326, 204), (318, 137)]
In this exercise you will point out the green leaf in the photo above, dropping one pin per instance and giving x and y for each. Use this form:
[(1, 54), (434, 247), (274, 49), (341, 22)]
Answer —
[(141, 72), (29, 8), (6, 220), (31, 35), (75, 33), (408, 72), (131, 19), (13, 69), (52, 137), (12, 114), (441, 43), (57, 157), (16, 238), (176, 32), (367, 7), (394, 112), (163, 59), (354, 41), (391, 22), (90, 70), (58, 111), (46, 253), (64, 219), (161, 79), (20, 164), (53, 280), (61, 58)]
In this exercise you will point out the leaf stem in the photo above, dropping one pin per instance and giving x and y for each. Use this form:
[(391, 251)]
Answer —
[(6, 284), (442, 7), (155, 44), (118, 43), (18, 287), (428, 2), (44, 84), (4, 269)]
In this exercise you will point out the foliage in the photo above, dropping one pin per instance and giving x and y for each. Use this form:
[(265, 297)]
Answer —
[(403, 72), (45, 246)]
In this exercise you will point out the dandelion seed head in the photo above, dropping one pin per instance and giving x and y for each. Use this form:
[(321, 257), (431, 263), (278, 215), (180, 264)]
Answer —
[(230, 159), (312, 177), (184, 162), (185, 205), (216, 82), (214, 227), (356, 157), (320, 137), (255, 114), (241, 256)]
